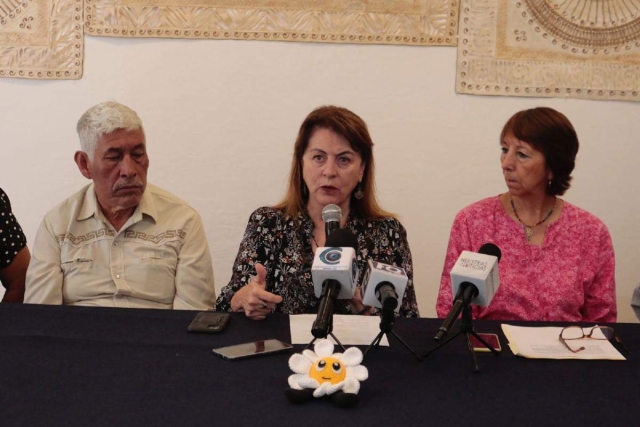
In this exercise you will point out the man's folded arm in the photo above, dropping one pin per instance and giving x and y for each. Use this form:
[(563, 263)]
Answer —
[(44, 275), (194, 273)]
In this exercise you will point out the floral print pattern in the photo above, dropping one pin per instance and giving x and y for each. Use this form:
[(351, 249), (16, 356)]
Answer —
[(283, 246), (570, 278)]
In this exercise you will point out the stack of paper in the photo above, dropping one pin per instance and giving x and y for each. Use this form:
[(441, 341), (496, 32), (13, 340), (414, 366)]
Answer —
[(349, 329), (544, 343)]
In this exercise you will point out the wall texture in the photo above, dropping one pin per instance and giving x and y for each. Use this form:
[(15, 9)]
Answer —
[(221, 118)]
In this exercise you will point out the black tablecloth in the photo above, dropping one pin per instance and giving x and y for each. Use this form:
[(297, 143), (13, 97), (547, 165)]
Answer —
[(77, 366)]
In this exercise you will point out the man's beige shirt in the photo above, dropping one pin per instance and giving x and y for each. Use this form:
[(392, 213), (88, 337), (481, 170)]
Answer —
[(158, 259)]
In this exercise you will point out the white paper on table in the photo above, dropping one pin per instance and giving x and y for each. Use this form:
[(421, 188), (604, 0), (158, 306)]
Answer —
[(349, 329), (544, 343)]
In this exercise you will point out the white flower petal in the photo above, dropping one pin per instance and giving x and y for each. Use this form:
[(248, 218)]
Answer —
[(323, 348), (352, 357), (351, 385), (358, 372), (310, 355), (294, 381), (299, 364)]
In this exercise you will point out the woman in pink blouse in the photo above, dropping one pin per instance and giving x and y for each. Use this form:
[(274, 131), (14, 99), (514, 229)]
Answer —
[(557, 260)]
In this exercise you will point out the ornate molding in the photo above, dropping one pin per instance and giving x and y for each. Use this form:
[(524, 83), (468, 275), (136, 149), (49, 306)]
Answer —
[(41, 39), (413, 22), (588, 23), (550, 48)]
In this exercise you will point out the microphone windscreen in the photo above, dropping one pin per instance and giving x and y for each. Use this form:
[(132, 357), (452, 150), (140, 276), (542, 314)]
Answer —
[(379, 276), (331, 213), (490, 249), (342, 238)]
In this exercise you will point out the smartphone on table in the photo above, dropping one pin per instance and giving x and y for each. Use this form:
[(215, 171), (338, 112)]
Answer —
[(209, 322), (250, 349), (491, 339)]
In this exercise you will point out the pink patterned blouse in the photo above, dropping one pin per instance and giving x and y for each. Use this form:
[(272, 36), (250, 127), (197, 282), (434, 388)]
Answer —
[(570, 278)]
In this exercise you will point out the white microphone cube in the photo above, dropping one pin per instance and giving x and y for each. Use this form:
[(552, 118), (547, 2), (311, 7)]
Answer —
[(337, 264), (377, 273), (480, 270)]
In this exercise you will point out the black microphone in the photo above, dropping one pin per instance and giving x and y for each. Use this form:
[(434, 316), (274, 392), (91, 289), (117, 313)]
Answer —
[(386, 294), (383, 285), (331, 215), (467, 291), (490, 249), (322, 326)]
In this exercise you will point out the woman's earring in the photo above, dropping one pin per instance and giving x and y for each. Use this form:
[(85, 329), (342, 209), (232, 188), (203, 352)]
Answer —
[(305, 190), (359, 194), (549, 183)]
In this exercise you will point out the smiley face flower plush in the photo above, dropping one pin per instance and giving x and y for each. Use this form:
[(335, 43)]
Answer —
[(326, 372)]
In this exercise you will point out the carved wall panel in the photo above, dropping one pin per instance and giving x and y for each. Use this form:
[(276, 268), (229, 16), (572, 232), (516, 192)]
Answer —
[(413, 22), (554, 48), (41, 39)]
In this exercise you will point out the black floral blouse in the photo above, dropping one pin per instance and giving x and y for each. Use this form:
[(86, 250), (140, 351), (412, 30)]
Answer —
[(12, 238), (282, 246)]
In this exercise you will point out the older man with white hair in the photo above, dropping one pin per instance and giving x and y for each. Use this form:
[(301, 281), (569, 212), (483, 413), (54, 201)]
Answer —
[(119, 242)]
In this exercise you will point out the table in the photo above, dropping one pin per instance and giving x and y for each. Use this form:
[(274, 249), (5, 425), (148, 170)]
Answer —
[(82, 366)]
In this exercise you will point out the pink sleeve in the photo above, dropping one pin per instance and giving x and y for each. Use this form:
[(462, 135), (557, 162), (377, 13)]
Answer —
[(600, 294), (458, 242)]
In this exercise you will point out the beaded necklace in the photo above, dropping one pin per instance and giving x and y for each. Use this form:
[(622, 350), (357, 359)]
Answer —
[(528, 229)]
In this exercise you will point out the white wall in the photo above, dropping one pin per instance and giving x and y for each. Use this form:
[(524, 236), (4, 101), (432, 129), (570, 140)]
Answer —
[(221, 118)]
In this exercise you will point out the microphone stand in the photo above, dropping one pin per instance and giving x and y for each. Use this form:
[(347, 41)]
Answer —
[(466, 328), (387, 319), (319, 329), (329, 332)]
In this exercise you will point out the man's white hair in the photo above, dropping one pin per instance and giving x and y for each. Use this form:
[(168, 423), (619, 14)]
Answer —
[(102, 119)]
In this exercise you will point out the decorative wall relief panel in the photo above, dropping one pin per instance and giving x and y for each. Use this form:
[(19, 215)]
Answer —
[(41, 39), (550, 48), (413, 22)]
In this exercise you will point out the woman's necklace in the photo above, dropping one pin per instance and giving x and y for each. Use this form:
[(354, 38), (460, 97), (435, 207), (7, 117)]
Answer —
[(528, 229)]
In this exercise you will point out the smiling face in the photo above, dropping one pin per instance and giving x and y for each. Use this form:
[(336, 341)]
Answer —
[(331, 169), (524, 168), (328, 369), (118, 170)]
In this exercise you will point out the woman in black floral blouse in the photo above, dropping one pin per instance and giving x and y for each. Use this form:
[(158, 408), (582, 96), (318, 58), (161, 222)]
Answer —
[(332, 164), (14, 254)]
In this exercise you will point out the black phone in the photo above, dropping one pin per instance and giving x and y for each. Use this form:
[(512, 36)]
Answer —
[(209, 322), (251, 349)]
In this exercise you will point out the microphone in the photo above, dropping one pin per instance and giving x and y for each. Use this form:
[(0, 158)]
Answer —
[(335, 275), (331, 215), (479, 269), (474, 279), (384, 286), (336, 261)]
